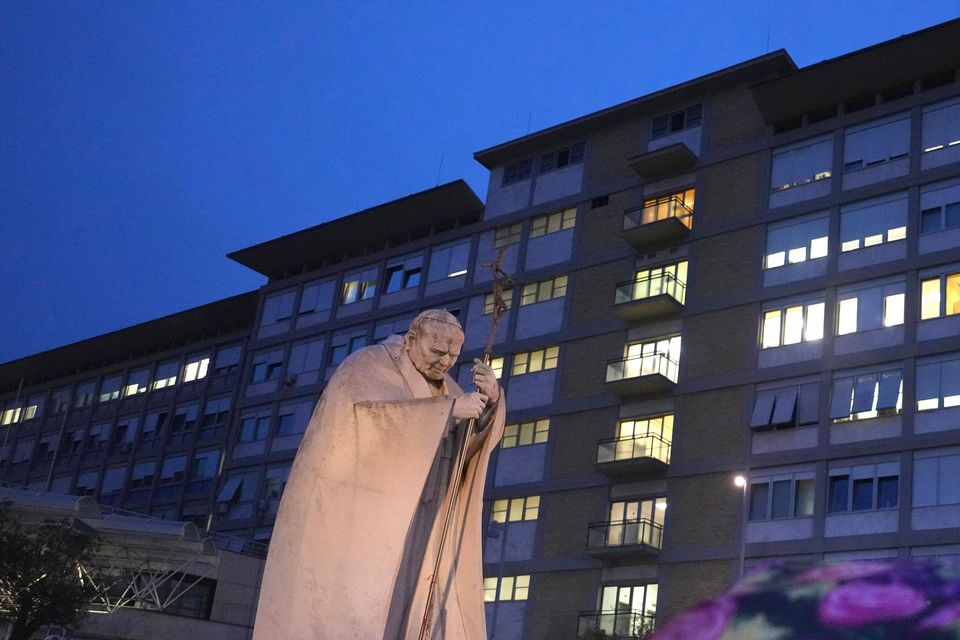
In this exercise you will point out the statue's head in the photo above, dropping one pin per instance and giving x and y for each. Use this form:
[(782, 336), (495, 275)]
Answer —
[(433, 343)]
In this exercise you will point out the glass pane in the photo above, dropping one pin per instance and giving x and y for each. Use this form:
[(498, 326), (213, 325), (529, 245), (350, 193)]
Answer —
[(952, 294), (758, 501), (793, 325), (930, 299), (863, 494), (847, 316), (814, 326), (888, 490), (893, 310), (771, 329), (803, 502), (837, 494), (780, 507)]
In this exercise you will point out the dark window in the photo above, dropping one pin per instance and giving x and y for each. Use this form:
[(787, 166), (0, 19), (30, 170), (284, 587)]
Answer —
[(781, 499), (602, 201), (837, 493), (888, 492), (863, 494), (758, 501), (517, 171), (930, 220)]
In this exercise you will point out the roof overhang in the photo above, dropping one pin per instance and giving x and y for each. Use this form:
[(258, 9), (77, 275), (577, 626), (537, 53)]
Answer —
[(441, 206), (225, 316), (866, 71), (751, 71)]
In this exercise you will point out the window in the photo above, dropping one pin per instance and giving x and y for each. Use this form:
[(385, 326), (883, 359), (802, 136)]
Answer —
[(84, 395), (525, 433), (677, 205), (873, 222), (61, 400), (293, 418), (266, 366), (277, 308), (142, 474), (34, 407), (802, 163), (935, 474), (110, 388), (544, 290), (496, 364), (627, 610), (305, 357), (639, 438), (506, 588), (11, 415), (126, 431), (871, 307), (798, 240), (788, 495), (173, 469), (664, 125), (216, 413), (155, 423), (254, 427), (792, 325), (489, 300), (228, 359), (864, 488), (600, 201), (166, 375), (635, 522), (938, 382), (941, 126), (668, 279), (448, 262), (403, 273), (560, 159), (505, 236), (515, 509), (113, 480), (275, 482), (866, 395), (534, 361), (184, 418), (359, 285), (876, 142), (205, 465), (344, 344), (793, 405), (317, 296), (553, 222), (395, 326), (46, 448), (86, 483), (940, 296), (196, 367), (940, 207), (517, 171), (648, 358)]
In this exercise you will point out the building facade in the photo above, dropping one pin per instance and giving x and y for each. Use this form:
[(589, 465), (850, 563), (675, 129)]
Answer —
[(754, 273)]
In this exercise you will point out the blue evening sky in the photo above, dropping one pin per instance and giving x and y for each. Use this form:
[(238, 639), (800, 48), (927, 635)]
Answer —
[(140, 142)]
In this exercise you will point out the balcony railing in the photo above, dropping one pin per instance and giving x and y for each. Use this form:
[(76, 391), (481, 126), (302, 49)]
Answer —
[(644, 365), (661, 209), (622, 624), (649, 287), (602, 535), (633, 447)]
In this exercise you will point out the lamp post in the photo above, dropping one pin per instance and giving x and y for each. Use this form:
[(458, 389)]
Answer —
[(741, 482)]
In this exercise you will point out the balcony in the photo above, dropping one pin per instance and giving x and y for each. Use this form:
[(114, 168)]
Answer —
[(657, 222), (643, 374), (649, 297), (624, 624), (638, 538), (665, 161), (618, 457)]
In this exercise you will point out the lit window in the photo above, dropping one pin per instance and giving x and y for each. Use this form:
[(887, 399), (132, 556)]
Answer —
[(137, 383), (797, 240), (560, 159), (553, 222), (515, 509), (893, 310), (930, 299), (634, 522), (801, 163), (660, 356), (664, 125), (517, 171), (505, 236), (488, 301), (873, 222), (506, 588), (110, 388), (670, 279), (639, 438), (534, 361), (677, 205), (866, 395), (448, 262), (358, 286), (525, 433), (938, 382), (847, 317), (166, 376), (792, 325), (544, 290), (196, 368)]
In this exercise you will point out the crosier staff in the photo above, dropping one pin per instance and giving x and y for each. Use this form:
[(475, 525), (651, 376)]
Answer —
[(500, 278)]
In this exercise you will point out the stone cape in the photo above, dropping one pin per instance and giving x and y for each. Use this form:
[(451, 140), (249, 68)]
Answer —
[(348, 506)]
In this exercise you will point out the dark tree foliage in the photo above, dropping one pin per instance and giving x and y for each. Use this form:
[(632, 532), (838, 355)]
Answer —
[(40, 581)]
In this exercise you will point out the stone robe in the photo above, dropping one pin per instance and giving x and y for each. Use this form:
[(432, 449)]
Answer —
[(356, 535)]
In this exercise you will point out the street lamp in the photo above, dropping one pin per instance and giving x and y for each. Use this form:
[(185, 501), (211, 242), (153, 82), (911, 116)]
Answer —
[(741, 482)]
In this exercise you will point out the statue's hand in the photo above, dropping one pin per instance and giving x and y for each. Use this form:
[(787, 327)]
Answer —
[(469, 406), (486, 380)]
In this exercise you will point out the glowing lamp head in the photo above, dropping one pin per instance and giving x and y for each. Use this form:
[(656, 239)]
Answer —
[(740, 481)]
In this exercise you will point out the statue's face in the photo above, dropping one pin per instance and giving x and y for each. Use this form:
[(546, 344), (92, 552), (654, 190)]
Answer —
[(434, 350)]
